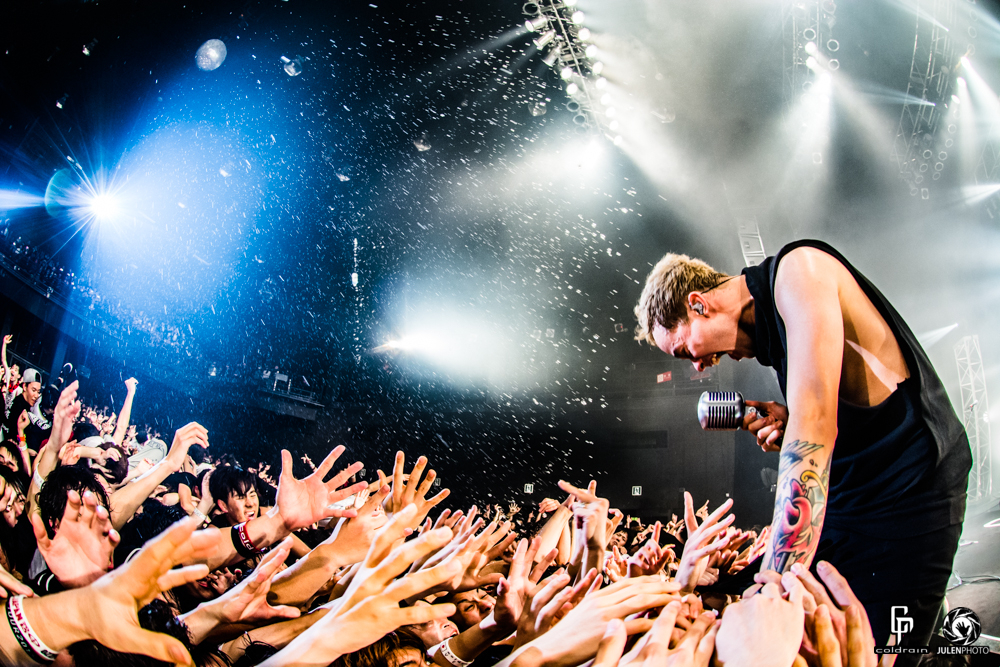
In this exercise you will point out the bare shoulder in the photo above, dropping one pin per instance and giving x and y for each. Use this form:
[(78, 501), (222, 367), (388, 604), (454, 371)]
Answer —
[(810, 263), (808, 274)]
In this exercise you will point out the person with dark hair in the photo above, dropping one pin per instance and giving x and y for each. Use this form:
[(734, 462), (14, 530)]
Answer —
[(397, 649), (17, 541), (30, 392), (14, 457), (52, 497), (234, 491)]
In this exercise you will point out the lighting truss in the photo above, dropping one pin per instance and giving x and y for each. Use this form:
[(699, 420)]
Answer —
[(975, 414), (937, 46), (751, 244), (804, 22), (565, 50), (988, 171)]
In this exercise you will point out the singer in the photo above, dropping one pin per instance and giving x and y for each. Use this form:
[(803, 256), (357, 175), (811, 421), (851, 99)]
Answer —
[(874, 462)]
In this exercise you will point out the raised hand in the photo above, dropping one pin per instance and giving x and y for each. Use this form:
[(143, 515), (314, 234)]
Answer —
[(739, 644), (191, 434), (22, 422), (247, 601), (80, 552), (547, 603), (354, 536), (590, 513), (131, 384), (693, 648), (413, 490), (575, 639), (68, 454), (8, 582), (303, 502), (839, 607), (651, 558), (370, 608), (548, 505), (107, 610), (512, 590), (700, 545)]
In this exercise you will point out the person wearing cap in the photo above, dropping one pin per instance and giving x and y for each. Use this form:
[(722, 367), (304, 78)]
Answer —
[(31, 391)]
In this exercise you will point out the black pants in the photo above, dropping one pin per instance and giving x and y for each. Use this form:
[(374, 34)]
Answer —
[(885, 573)]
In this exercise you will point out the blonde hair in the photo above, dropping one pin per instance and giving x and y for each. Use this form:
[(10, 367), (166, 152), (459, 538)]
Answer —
[(664, 298)]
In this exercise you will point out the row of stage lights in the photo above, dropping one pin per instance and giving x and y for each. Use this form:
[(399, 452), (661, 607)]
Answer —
[(565, 44)]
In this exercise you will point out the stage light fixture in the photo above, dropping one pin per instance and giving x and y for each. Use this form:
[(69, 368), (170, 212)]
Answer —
[(551, 57), (584, 34), (606, 100), (579, 18), (601, 83), (566, 73), (545, 38), (598, 67), (811, 48), (572, 89), (613, 125), (591, 51), (536, 24)]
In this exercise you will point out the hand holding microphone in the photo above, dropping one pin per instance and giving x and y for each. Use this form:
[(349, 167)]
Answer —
[(728, 411)]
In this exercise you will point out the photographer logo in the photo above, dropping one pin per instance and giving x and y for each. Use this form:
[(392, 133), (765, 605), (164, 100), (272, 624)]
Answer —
[(962, 626)]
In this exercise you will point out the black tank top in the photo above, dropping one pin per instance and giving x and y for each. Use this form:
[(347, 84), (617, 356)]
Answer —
[(899, 468)]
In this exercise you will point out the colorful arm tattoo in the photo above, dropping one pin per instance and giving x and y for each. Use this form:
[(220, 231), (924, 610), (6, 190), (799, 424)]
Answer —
[(800, 505)]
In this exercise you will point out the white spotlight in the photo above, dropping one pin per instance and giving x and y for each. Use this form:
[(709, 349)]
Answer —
[(579, 18), (598, 67), (572, 89), (811, 48), (584, 34), (591, 51), (606, 100), (601, 83), (613, 125), (812, 63), (103, 206), (566, 73), (611, 112)]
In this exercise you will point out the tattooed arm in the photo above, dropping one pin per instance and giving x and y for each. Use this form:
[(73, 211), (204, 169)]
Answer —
[(808, 298)]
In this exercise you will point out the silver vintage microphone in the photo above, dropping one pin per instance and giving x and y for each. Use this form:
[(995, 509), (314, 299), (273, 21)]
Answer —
[(723, 410)]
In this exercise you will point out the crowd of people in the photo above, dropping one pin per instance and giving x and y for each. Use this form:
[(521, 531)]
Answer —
[(117, 549), (49, 275)]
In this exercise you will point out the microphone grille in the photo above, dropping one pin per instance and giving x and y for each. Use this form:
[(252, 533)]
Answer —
[(720, 410)]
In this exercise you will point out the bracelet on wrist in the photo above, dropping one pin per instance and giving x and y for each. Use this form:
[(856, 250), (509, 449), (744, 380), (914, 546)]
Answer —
[(25, 634), (450, 656)]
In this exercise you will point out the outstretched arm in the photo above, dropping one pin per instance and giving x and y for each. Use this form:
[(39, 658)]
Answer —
[(121, 426), (807, 295)]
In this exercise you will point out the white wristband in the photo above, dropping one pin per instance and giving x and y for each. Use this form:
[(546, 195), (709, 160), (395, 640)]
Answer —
[(450, 656)]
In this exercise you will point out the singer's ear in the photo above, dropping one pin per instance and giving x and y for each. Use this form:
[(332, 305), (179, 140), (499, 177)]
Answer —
[(696, 303)]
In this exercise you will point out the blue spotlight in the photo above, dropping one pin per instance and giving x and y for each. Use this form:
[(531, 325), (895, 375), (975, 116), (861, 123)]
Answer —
[(13, 199)]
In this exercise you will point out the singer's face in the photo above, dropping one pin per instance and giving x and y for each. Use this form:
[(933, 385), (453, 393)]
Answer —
[(696, 340)]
